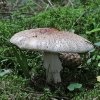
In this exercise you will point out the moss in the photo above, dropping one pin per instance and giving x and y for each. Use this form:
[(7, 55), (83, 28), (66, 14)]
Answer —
[(64, 18), (12, 87), (61, 18)]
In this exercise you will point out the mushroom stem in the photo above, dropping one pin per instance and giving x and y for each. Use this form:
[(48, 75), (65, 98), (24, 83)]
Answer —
[(53, 67)]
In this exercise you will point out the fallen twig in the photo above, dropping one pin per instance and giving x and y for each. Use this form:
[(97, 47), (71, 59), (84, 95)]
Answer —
[(60, 98), (49, 1), (29, 13)]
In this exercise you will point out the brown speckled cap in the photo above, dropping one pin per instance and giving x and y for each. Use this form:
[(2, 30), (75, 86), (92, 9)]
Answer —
[(51, 40)]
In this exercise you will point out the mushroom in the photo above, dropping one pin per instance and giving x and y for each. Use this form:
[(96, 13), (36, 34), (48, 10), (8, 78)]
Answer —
[(52, 42)]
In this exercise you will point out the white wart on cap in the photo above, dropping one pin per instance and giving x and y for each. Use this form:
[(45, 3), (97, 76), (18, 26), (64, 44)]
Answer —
[(51, 41)]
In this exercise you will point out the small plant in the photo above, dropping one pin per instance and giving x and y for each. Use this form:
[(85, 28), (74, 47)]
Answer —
[(14, 87), (74, 86), (46, 95), (22, 60)]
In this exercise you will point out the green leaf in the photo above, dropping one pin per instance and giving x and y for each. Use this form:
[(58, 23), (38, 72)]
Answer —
[(92, 31), (70, 87), (98, 64), (92, 50), (77, 85), (97, 44), (4, 72), (98, 57), (73, 86), (46, 89), (89, 61), (94, 57)]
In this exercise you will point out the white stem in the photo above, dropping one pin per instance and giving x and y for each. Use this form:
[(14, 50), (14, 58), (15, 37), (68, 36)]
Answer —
[(53, 67)]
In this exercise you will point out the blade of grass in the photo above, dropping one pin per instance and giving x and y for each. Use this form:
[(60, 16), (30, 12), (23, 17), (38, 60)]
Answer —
[(22, 60), (92, 31)]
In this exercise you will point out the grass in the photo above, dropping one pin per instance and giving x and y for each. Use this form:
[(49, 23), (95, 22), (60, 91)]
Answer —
[(12, 86), (89, 95), (16, 87)]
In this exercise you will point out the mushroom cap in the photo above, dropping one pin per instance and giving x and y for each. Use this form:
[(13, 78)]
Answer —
[(51, 40)]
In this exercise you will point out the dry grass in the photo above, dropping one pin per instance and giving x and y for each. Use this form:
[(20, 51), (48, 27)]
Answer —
[(30, 7)]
